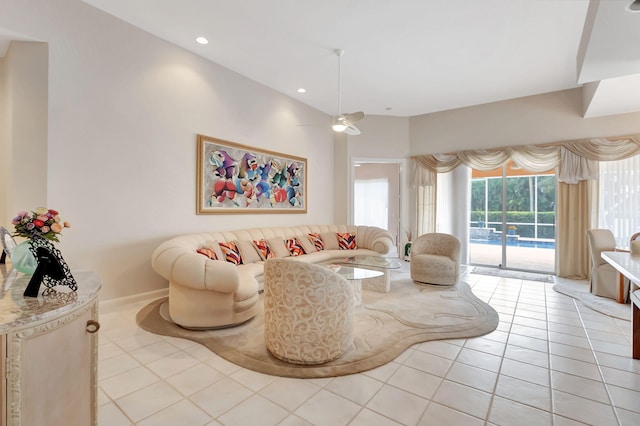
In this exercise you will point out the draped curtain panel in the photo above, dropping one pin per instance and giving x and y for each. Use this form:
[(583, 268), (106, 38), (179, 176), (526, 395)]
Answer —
[(572, 220), (575, 162)]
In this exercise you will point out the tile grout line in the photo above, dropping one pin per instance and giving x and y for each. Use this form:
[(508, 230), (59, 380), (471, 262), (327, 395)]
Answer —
[(595, 358)]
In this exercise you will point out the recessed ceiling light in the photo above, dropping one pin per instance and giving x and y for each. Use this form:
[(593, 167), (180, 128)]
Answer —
[(634, 6), (302, 90), (202, 40)]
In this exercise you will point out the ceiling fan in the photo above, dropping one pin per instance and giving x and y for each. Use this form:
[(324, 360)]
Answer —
[(344, 122)]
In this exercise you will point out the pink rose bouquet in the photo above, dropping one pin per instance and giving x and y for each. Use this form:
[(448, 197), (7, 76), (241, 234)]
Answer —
[(42, 222)]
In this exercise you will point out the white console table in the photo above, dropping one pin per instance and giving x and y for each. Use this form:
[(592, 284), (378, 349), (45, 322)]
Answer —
[(628, 266), (49, 352)]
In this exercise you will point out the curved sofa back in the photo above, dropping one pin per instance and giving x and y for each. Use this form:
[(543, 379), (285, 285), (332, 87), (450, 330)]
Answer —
[(167, 254)]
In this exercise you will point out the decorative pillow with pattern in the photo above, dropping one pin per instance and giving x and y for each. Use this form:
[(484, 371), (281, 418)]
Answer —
[(294, 247), (317, 241), (263, 249), (209, 252), (231, 252), (346, 241)]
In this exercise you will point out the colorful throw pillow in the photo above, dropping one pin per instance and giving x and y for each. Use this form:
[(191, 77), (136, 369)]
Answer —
[(317, 241), (263, 249), (294, 247), (346, 240), (209, 252), (231, 252)]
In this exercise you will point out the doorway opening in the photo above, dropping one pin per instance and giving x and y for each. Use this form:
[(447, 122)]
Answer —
[(512, 219), (376, 195)]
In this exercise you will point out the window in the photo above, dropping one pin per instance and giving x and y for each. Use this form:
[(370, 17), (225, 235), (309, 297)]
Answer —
[(619, 198)]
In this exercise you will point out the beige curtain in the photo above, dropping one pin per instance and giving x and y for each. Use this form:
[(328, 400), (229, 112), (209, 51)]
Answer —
[(576, 164), (573, 220), (426, 212)]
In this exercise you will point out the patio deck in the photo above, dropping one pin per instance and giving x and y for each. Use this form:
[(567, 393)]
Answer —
[(527, 258)]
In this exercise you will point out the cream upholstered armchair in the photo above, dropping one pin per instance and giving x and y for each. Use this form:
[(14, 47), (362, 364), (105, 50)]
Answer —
[(435, 259), (604, 278), (308, 312)]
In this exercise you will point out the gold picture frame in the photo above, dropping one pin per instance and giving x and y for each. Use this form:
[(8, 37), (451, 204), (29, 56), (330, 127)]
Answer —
[(235, 178)]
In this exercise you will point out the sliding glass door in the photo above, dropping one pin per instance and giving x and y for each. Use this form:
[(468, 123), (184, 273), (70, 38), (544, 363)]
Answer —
[(512, 219)]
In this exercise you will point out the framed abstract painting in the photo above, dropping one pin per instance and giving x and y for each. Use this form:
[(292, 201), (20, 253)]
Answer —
[(235, 178)]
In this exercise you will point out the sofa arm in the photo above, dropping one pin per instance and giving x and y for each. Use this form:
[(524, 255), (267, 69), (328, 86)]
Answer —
[(376, 239), (195, 270)]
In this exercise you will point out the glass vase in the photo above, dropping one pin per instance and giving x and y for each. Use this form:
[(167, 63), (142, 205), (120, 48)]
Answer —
[(23, 259)]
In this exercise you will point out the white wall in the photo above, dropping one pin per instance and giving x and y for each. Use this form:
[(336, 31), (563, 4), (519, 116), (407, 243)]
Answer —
[(5, 144), (382, 138), (549, 117), (124, 110)]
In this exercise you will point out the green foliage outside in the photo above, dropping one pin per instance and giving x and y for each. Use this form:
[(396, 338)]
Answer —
[(521, 211)]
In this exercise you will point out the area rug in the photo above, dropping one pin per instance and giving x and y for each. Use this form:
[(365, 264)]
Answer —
[(610, 307), (385, 325), (507, 273)]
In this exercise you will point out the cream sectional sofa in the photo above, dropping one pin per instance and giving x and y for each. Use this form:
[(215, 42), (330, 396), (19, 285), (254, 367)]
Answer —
[(206, 293)]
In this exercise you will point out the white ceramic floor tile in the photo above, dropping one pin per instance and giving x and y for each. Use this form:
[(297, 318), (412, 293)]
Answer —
[(159, 380), (586, 388), (524, 392), (583, 410), (183, 413), (357, 388), (111, 415), (575, 367), (528, 356), (485, 345), (154, 351), (527, 372), (148, 401), (415, 381), (463, 398), (625, 398), (474, 377), (221, 396), (290, 393), (367, 417), (398, 405), (326, 408), (194, 379), (429, 363), (253, 411), (507, 412), (441, 348), (130, 381), (118, 364)]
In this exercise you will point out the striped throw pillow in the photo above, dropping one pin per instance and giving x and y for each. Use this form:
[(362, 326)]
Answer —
[(231, 252), (346, 241), (263, 249), (317, 241), (294, 247)]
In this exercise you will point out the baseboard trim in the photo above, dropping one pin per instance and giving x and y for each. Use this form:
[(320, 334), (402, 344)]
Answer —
[(111, 305)]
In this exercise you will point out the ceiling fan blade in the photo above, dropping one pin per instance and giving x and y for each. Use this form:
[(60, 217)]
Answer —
[(354, 116), (352, 130)]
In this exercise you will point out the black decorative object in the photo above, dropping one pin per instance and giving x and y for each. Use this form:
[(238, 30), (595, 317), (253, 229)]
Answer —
[(52, 270)]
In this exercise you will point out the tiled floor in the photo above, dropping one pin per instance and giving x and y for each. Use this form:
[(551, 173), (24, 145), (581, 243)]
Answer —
[(550, 362)]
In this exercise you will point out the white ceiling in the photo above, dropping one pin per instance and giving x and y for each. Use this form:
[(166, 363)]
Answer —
[(403, 57)]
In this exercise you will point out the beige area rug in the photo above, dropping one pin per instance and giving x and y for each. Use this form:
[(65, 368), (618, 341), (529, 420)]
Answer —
[(385, 325), (604, 305)]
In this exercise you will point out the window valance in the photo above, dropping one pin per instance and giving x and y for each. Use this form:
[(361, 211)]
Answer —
[(576, 160)]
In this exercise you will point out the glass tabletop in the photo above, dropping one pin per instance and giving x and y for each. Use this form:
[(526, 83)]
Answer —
[(354, 273), (370, 261)]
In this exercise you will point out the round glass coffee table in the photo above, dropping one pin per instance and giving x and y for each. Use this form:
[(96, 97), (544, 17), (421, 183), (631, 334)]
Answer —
[(356, 276)]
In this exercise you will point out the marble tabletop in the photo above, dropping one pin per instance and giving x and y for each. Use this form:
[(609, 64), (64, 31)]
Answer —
[(18, 312)]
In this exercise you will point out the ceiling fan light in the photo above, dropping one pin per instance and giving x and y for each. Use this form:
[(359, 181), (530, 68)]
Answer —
[(338, 127)]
